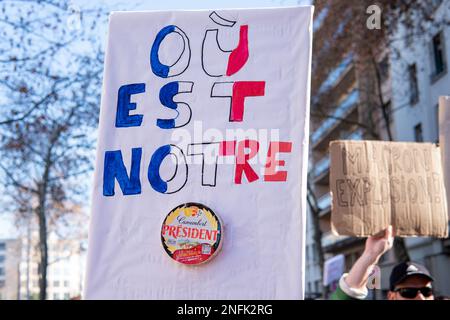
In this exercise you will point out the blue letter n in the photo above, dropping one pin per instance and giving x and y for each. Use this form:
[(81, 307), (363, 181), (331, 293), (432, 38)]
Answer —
[(123, 117), (115, 169)]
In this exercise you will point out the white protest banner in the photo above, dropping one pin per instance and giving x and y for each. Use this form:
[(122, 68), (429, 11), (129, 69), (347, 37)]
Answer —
[(203, 139), (333, 269)]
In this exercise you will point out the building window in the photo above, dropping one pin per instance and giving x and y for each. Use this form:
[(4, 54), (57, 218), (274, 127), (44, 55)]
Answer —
[(413, 85), (439, 64), (66, 284), (418, 134), (66, 296), (2, 259), (55, 296), (2, 246), (56, 284), (2, 272)]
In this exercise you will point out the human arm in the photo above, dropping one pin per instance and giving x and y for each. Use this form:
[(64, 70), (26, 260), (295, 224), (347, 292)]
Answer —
[(353, 284)]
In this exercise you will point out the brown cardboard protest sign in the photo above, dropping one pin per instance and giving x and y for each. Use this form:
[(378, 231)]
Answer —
[(376, 183), (444, 140)]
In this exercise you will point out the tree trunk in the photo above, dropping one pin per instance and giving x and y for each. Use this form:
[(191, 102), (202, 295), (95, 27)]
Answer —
[(42, 217), (315, 210), (43, 250)]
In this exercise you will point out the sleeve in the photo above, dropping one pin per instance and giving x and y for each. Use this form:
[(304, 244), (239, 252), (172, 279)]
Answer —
[(344, 292)]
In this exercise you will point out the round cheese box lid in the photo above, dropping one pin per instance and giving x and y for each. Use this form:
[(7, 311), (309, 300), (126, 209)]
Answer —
[(191, 233)]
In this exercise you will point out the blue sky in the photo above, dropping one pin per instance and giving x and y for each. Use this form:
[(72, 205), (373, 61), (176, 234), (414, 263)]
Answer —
[(7, 229)]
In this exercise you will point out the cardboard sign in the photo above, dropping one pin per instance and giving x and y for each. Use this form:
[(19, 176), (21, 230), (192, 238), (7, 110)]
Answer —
[(375, 184), (444, 140), (207, 107)]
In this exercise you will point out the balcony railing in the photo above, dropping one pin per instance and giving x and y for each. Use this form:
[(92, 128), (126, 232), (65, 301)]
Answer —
[(320, 18), (323, 164), (328, 239), (340, 112), (324, 201), (336, 74)]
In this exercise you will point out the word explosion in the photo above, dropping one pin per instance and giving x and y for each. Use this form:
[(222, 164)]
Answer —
[(235, 91)]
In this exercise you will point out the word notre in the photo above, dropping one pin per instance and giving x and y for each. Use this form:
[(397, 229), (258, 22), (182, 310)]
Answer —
[(235, 91)]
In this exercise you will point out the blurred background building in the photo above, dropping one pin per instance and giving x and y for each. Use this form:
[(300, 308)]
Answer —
[(19, 265)]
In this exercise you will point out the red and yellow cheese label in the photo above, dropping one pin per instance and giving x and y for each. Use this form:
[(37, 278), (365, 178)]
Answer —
[(191, 233)]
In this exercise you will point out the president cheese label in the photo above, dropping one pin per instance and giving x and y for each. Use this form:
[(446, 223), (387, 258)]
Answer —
[(191, 234)]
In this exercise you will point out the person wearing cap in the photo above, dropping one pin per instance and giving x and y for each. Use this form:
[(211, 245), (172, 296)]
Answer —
[(408, 280)]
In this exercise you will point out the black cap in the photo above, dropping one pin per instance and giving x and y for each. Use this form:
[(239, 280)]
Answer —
[(406, 269)]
